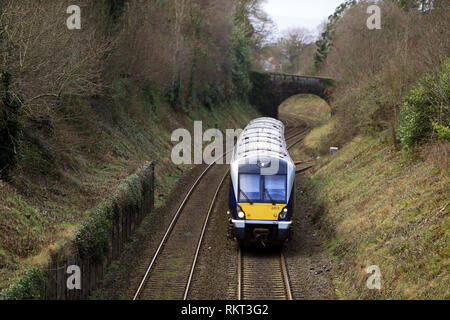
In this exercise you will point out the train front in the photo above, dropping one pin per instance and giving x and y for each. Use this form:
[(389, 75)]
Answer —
[(262, 204)]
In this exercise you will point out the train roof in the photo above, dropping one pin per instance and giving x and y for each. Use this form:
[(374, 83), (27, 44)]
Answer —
[(262, 137), (267, 122)]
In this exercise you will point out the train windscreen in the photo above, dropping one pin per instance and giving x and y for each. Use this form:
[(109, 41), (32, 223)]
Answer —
[(250, 187), (275, 188), (257, 188)]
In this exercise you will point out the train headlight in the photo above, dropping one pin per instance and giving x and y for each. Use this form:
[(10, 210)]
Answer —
[(283, 213), (240, 212)]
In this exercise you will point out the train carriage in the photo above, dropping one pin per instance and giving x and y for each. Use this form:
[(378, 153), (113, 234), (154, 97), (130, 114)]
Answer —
[(261, 196)]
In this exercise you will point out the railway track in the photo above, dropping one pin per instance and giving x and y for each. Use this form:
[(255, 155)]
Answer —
[(264, 276), (170, 272), (292, 125)]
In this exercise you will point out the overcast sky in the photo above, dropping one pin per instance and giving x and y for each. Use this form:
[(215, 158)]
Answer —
[(300, 13)]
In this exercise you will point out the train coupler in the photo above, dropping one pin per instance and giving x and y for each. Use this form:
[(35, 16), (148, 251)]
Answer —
[(261, 235)]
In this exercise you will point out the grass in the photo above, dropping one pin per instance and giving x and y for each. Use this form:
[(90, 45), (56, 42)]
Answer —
[(376, 208), (308, 106), (314, 141), (94, 147)]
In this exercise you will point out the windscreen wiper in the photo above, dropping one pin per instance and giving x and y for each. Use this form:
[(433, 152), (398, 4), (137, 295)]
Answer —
[(248, 199), (273, 202)]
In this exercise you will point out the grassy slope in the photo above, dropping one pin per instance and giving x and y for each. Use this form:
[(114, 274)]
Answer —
[(378, 209), (314, 142), (308, 106), (313, 110), (94, 145)]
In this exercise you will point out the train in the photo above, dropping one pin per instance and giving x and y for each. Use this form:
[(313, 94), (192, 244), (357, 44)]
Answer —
[(262, 185)]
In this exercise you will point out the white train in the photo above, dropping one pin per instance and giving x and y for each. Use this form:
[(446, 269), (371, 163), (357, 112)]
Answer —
[(261, 197)]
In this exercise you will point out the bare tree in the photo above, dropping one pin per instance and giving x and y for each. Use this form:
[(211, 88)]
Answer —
[(45, 59), (292, 43)]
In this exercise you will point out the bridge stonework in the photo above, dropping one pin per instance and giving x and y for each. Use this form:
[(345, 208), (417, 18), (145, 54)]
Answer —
[(269, 90)]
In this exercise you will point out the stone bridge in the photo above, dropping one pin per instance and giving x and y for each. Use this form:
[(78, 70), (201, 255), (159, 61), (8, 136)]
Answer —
[(269, 90)]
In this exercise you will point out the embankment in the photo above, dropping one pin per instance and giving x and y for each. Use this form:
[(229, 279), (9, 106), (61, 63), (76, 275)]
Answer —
[(82, 261), (73, 161), (378, 207)]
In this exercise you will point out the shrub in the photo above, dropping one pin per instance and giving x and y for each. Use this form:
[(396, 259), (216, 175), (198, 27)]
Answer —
[(28, 287), (442, 131), (425, 113), (375, 68)]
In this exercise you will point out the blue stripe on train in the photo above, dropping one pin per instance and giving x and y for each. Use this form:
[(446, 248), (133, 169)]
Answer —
[(232, 201)]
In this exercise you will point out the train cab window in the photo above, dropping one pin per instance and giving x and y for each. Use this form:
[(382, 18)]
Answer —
[(275, 188), (250, 188)]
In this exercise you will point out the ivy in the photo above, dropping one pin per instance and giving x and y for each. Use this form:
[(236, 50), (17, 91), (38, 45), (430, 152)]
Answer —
[(257, 95), (241, 59), (93, 238)]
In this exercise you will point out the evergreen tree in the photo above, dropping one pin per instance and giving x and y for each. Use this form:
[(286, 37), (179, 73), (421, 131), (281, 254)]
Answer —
[(326, 38)]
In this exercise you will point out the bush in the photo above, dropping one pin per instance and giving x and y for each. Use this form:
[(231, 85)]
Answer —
[(375, 68), (425, 113), (442, 131), (28, 287)]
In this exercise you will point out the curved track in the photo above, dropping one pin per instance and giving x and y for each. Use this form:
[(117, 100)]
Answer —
[(167, 273)]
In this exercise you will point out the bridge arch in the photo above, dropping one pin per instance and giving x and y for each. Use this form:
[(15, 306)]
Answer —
[(269, 90)]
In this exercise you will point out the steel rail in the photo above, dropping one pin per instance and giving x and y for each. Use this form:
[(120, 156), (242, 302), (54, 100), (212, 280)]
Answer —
[(299, 140), (174, 219), (285, 276), (296, 134), (239, 271), (194, 262)]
